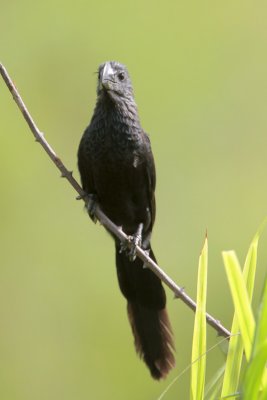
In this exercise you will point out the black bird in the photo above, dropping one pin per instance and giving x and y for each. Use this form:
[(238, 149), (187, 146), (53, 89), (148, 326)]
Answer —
[(117, 171)]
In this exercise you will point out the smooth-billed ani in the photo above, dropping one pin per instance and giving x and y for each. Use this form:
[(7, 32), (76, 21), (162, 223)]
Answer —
[(117, 170)]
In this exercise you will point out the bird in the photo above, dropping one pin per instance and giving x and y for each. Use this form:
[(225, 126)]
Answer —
[(117, 172)]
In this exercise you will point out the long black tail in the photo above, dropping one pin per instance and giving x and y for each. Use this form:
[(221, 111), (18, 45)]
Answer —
[(147, 314)]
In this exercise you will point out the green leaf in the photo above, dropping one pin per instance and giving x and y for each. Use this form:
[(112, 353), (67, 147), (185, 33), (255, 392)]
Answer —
[(250, 265), (256, 376), (233, 361), (241, 300), (199, 337), (214, 386), (254, 373), (260, 334), (236, 348)]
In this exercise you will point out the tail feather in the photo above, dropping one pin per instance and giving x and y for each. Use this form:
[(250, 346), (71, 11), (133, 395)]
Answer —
[(147, 314), (153, 341)]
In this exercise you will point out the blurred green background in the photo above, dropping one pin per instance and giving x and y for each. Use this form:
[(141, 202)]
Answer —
[(199, 73)]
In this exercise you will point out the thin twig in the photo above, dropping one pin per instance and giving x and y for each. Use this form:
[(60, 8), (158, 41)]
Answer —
[(103, 219)]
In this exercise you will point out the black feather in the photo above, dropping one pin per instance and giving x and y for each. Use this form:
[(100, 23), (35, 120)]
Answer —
[(117, 166)]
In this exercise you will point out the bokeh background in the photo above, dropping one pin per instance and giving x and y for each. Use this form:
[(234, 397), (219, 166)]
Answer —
[(199, 73)]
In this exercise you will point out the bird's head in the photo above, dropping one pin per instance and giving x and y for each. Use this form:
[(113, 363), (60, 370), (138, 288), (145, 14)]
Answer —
[(114, 81)]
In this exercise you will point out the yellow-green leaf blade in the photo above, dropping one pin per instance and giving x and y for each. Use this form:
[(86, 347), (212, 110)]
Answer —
[(236, 348), (254, 373), (241, 300), (250, 265), (233, 361), (260, 334), (199, 337), (213, 388), (255, 381)]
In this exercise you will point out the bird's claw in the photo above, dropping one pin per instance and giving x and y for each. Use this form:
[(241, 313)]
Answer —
[(135, 240), (90, 204), (123, 246), (132, 242), (147, 252), (130, 246)]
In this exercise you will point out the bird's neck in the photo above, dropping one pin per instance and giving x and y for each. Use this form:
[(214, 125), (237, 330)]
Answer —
[(117, 111)]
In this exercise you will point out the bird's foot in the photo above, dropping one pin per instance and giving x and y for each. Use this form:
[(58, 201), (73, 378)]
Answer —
[(129, 246), (147, 252), (123, 246), (132, 242), (90, 205), (135, 240)]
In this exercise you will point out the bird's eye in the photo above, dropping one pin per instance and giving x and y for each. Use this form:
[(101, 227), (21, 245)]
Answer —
[(121, 76)]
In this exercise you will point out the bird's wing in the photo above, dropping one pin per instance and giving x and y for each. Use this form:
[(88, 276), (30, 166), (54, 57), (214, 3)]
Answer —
[(150, 172), (85, 168)]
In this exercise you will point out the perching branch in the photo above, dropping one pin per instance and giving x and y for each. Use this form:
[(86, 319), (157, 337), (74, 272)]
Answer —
[(103, 219)]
